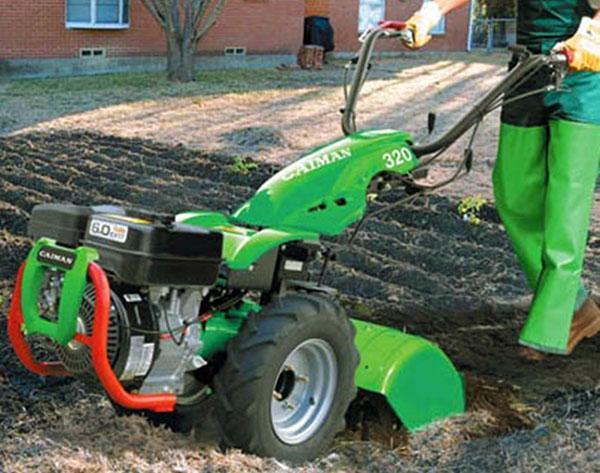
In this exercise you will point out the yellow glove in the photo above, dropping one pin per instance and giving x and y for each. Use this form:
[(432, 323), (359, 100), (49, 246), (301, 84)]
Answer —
[(583, 49), (421, 24)]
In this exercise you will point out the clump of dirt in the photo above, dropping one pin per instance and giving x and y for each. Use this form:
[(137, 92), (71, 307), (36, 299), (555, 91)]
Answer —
[(255, 138), (371, 419), (493, 405), (419, 267), (499, 402)]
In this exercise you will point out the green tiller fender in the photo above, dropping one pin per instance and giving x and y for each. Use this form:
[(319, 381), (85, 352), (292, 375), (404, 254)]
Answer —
[(418, 380)]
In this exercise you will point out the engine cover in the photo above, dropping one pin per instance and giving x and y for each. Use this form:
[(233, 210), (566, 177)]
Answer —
[(65, 223), (136, 247), (141, 252)]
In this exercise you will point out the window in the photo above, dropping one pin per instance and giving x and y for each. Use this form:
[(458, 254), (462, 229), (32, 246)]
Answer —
[(440, 28), (107, 14), (370, 13), (234, 51), (89, 53)]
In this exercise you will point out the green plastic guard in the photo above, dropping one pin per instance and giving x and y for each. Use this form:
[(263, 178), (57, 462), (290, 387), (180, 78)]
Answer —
[(417, 378), (74, 263)]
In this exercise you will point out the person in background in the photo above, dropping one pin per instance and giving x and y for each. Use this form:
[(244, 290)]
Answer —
[(548, 161)]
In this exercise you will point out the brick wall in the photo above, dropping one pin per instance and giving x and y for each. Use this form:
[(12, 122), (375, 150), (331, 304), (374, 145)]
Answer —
[(317, 7), (36, 29), (262, 26), (344, 19)]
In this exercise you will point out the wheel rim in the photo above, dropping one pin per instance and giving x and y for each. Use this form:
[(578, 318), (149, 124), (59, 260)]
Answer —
[(303, 391)]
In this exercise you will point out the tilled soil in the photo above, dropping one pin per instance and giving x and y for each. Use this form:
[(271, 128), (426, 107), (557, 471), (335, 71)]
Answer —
[(419, 268)]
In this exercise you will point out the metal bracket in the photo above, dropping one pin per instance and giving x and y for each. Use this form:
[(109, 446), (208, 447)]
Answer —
[(44, 255)]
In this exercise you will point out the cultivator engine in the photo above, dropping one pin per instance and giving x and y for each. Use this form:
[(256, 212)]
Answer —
[(142, 351), (167, 310), (131, 320)]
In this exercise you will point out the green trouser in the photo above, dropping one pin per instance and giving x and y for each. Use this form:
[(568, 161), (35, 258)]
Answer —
[(544, 183), (546, 173)]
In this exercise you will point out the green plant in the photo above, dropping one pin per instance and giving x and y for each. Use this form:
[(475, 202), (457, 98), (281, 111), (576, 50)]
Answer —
[(470, 207), (242, 165), (360, 308)]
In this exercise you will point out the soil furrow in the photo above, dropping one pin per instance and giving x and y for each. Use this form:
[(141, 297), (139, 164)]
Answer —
[(420, 268)]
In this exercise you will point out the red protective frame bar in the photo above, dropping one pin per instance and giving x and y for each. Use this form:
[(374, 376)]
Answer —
[(98, 343), (17, 338)]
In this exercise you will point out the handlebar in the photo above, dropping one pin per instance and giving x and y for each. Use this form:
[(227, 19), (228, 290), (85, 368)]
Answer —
[(528, 64), (368, 40)]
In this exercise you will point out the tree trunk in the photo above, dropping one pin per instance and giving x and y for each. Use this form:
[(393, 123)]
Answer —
[(180, 59)]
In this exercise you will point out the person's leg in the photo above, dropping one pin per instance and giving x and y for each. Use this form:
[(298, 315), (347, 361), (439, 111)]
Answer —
[(519, 188), (573, 160)]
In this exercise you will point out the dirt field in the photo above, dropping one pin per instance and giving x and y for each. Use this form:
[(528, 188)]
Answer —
[(419, 268), (268, 114)]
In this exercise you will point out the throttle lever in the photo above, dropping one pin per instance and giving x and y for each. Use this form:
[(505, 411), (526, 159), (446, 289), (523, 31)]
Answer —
[(560, 61)]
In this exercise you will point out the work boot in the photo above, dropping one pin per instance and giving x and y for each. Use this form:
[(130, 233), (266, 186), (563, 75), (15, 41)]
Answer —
[(585, 324), (530, 354)]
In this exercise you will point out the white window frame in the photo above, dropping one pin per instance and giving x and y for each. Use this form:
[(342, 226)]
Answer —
[(94, 25), (384, 7), (440, 28)]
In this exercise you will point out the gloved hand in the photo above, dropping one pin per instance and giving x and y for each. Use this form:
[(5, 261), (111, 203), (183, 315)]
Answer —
[(421, 24), (583, 49)]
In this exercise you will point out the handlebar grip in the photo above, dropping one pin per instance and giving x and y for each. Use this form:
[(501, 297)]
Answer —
[(564, 57), (407, 35), (392, 25)]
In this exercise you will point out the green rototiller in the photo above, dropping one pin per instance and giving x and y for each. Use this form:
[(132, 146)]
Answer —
[(167, 311)]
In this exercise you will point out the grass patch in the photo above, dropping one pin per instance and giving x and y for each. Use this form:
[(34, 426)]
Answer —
[(156, 83), (35, 100), (97, 83), (243, 166)]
